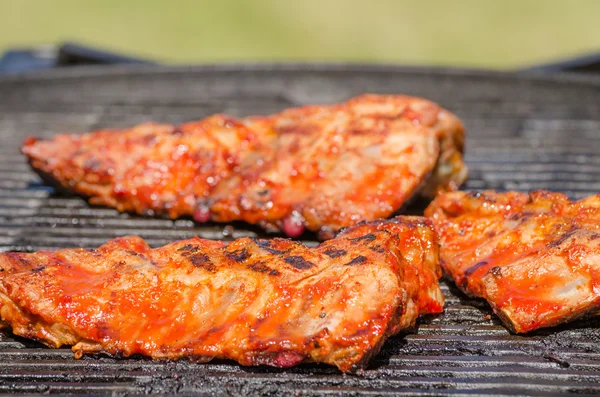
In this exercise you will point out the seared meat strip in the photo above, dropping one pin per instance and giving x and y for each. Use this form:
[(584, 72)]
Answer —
[(315, 167), (273, 302), (534, 257)]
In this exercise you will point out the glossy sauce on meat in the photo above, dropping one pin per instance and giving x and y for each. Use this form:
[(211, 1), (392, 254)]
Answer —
[(273, 302), (534, 257), (320, 167)]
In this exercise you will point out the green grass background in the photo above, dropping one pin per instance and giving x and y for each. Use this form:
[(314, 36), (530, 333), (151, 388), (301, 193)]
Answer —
[(471, 33)]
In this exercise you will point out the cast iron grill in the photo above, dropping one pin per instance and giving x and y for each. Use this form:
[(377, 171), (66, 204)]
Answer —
[(524, 132)]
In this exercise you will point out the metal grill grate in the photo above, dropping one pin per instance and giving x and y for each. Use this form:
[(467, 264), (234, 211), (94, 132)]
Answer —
[(524, 133)]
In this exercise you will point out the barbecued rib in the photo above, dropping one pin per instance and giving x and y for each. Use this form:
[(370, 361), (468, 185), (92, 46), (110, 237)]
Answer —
[(315, 167), (150, 168), (273, 302), (534, 257)]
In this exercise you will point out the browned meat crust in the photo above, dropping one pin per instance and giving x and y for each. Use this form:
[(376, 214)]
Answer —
[(273, 302), (534, 257), (315, 167)]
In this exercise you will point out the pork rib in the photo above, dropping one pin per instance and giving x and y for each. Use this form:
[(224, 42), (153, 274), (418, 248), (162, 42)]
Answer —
[(274, 302), (534, 257), (320, 168)]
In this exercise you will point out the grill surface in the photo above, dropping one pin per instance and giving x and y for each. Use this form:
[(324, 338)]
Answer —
[(524, 133)]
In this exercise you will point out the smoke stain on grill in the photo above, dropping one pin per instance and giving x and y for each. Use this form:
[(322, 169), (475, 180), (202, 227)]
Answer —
[(555, 359), (298, 262)]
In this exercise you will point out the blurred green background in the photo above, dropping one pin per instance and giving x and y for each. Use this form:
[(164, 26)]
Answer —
[(471, 33)]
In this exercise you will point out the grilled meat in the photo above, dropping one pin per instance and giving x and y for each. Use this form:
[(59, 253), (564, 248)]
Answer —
[(315, 167), (534, 257), (274, 302), (150, 168)]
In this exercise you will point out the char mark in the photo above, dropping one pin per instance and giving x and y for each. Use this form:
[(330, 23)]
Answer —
[(202, 260), (238, 255), (188, 248), (496, 271), (39, 269), (359, 260), (265, 245), (377, 248), (522, 216), (474, 268), (260, 267), (92, 164), (298, 262), (19, 257), (332, 253), (561, 239), (366, 237)]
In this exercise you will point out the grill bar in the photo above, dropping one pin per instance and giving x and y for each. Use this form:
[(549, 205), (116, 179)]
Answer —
[(524, 132)]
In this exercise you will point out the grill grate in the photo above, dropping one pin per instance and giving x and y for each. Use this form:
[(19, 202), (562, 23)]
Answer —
[(524, 133)]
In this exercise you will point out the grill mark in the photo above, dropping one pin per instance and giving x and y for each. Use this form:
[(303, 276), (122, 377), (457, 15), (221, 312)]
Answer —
[(523, 216), (332, 253), (202, 260), (260, 267), (265, 245), (92, 164), (188, 248), (263, 192), (496, 271), (377, 248), (359, 260), (238, 255), (196, 258), (274, 251), (366, 237), (473, 269), (39, 269), (14, 255), (298, 262), (561, 239)]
